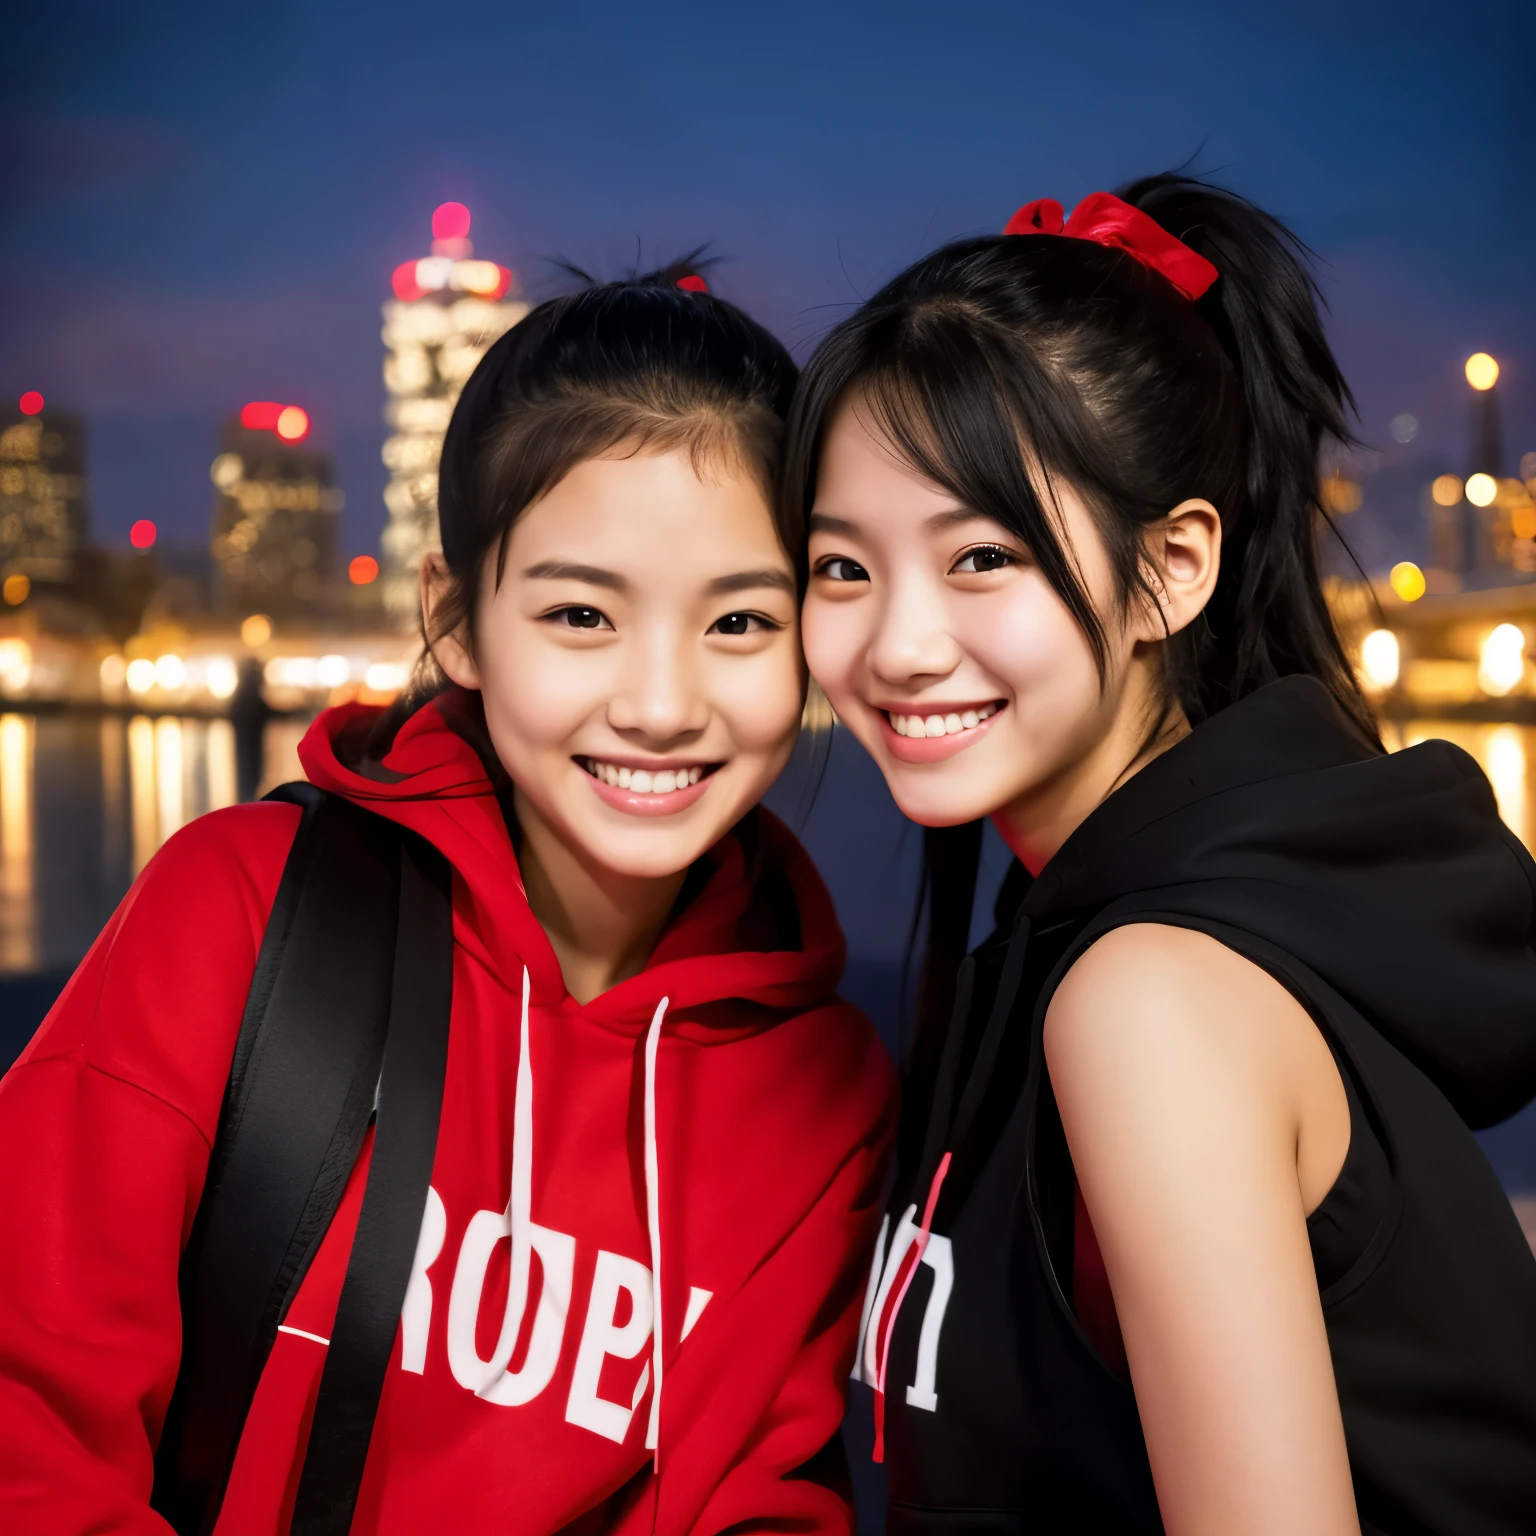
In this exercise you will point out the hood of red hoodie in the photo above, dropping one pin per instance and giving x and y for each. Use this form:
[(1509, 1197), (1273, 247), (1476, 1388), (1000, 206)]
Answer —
[(761, 931)]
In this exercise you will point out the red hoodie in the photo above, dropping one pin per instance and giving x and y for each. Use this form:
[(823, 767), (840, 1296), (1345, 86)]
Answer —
[(522, 1393)]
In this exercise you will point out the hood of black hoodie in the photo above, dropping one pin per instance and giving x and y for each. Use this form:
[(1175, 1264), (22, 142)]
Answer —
[(1390, 877)]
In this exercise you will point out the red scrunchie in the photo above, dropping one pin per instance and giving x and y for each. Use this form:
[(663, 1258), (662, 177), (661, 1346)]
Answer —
[(1106, 220)]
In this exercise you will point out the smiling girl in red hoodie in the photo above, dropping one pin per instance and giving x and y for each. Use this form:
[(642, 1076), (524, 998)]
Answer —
[(638, 1278)]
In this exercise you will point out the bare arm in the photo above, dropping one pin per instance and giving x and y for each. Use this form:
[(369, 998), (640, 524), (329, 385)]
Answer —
[(1206, 1118)]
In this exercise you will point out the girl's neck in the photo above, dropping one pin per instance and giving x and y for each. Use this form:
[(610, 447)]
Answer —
[(601, 925), (1037, 824)]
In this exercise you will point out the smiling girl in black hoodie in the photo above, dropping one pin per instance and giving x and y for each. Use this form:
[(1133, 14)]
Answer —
[(1190, 1231)]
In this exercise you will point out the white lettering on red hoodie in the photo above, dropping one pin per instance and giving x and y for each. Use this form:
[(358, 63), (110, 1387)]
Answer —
[(522, 1394)]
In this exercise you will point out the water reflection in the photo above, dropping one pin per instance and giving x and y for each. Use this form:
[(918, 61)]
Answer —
[(85, 801)]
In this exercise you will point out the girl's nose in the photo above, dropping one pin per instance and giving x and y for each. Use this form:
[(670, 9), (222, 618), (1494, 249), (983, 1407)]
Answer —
[(912, 640), (660, 698)]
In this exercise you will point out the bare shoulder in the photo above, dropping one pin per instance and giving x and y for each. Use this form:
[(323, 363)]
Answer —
[(1159, 1034), (1152, 985)]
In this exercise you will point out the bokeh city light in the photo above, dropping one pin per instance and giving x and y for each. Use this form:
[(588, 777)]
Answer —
[(450, 221), (1482, 371), (31, 403), (143, 534), (362, 569), (1407, 580)]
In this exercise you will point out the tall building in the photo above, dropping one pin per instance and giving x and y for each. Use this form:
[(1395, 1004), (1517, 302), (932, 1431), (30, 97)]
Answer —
[(42, 491), (275, 514), (447, 310)]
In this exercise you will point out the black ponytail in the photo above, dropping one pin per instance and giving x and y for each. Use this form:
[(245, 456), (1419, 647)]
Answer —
[(1267, 618), (1137, 397)]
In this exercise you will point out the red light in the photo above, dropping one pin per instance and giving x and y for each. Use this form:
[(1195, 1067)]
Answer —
[(693, 283), (142, 534), (31, 403), (261, 415), (362, 570), (450, 221), (292, 424), (403, 281)]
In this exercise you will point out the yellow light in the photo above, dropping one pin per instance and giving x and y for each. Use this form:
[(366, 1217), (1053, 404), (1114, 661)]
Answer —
[(1446, 490), (292, 423), (15, 665), (220, 675), (1380, 658), (1340, 495), (256, 630), (333, 671), (1522, 522), (140, 675), (1504, 761), (1482, 371), (1481, 490), (16, 589), (1501, 664), (112, 672), (1407, 580), (170, 671), (226, 470), (384, 677)]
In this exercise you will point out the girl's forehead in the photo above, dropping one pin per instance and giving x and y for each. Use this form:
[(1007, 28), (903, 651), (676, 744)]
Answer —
[(650, 514)]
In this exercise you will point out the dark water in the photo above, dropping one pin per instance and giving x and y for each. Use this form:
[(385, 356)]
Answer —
[(85, 800)]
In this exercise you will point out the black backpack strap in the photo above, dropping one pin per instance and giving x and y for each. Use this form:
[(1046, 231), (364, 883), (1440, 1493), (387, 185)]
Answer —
[(384, 1249), (300, 1094)]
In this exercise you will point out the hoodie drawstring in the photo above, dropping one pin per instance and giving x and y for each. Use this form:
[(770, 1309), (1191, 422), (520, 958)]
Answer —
[(520, 1206), (653, 1221), (520, 1212)]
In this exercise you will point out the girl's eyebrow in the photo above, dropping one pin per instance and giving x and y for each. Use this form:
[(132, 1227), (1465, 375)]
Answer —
[(824, 522), (567, 570), (745, 581)]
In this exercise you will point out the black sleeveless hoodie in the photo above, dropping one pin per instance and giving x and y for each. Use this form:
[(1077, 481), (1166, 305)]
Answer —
[(1387, 896)]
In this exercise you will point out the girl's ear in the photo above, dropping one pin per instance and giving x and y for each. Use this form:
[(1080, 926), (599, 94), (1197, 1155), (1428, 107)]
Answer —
[(1184, 551), (450, 650)]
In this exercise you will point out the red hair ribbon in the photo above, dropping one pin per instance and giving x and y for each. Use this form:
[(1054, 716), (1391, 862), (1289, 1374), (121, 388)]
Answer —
[(1106, 220), (693, 283)]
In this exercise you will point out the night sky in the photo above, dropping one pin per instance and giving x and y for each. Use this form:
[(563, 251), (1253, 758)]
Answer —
[(204, 202)]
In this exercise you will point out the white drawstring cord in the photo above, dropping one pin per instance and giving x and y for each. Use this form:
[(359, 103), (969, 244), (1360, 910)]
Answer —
[(653, 1220), (520, 1206)]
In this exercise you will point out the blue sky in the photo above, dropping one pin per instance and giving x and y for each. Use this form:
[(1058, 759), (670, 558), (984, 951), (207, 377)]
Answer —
[(205, 202)]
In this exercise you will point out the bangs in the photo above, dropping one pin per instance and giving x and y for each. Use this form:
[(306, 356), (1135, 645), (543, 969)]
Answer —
[(954, 403)]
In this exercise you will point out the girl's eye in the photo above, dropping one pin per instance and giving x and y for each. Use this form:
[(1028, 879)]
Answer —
[(841, 568), (580, 618), (741, 624), (986, 557)]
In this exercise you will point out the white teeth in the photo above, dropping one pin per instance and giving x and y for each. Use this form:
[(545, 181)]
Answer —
[(941, 725), (642, 781)]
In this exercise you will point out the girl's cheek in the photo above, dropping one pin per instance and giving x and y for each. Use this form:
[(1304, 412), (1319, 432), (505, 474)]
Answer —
[(834, 638)]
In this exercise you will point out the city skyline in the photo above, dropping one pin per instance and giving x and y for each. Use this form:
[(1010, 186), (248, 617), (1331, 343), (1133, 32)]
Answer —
[(207, 210)]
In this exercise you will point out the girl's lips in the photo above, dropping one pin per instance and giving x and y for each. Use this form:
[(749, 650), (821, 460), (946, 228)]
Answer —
[(633, 804), (932, 749)]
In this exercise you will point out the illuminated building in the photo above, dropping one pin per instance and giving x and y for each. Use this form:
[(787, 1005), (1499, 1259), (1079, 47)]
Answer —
[(447, 310), (42, 491), (275, 514)]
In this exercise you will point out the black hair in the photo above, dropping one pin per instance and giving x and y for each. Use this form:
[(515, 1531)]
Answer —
[(1138, 398), (641, 361)]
